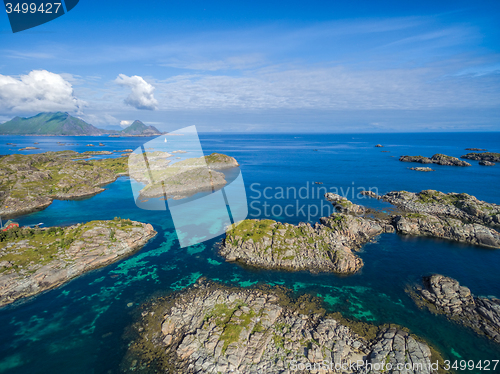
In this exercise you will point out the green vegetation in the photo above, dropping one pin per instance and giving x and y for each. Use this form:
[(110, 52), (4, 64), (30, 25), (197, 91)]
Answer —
[(253, 229), (437, 197), (49, 124), (27, 178), (23, 247), (224, 317)]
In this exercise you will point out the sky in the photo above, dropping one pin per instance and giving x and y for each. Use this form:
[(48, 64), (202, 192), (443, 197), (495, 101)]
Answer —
[(273, 66)]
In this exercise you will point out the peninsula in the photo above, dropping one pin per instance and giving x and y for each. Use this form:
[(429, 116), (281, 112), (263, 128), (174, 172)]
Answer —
[(36, 260), (444, 295)]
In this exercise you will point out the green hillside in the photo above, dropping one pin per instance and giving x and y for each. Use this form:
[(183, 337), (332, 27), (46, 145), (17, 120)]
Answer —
[(49, 124)]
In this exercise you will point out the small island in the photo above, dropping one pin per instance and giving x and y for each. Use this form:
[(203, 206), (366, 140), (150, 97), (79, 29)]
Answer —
[(438, 159), (444, 295), (324, 247), (167, 179), (33, 260), (212, 328), (31, 182), (486, 156)]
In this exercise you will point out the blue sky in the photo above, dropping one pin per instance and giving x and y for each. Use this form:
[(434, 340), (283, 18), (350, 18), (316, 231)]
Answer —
[(364, 66)]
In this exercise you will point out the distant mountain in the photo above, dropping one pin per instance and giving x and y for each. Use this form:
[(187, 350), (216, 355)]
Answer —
[(111, 128), (49, 124), (140, 129)]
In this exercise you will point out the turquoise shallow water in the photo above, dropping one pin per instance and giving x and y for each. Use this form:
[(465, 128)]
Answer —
[(78, 328)]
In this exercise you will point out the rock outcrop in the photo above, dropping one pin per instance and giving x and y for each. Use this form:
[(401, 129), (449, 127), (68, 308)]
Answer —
[(486, 163), (424, 169), (421, 224), (35, 260), (486, 156), (438, 159), (215, 329), (327, 246), (461, 206), (445, 295)]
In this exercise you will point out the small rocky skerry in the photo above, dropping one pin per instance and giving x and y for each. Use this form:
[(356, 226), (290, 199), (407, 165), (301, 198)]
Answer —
[(444, 295), (36, 260), (438, 159), (211, 328), (485, 156)]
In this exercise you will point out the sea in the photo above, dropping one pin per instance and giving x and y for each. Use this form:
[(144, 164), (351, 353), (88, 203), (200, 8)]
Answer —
[(81, 327)]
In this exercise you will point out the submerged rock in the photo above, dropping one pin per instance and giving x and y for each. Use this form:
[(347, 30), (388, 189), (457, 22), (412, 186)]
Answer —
[(447, 297), (215, 329)]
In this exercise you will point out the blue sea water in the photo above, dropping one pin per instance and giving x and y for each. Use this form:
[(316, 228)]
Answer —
[(79, 327)]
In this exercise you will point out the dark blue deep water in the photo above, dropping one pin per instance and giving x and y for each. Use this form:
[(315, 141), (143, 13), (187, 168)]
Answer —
[(79, 327)]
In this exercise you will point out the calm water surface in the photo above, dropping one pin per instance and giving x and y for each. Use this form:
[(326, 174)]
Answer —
[(78, 328)]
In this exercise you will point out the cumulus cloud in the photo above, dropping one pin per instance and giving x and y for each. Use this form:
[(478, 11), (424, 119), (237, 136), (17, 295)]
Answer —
[(125, 123), (141, 95), (38, 91)]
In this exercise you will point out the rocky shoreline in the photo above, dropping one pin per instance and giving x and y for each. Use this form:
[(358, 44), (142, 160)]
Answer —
[(444, 295), (30, 183), (486, 156), (325, 247), (180, 179), (460, 206), (212, 328), (36, 260)]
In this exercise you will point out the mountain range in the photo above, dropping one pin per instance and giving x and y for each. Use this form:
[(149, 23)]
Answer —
[(60, 123)]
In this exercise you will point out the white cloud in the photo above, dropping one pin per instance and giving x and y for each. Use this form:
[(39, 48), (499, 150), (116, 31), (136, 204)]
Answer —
[(333, 88), (38, 91), (125, 123), (141, 96)]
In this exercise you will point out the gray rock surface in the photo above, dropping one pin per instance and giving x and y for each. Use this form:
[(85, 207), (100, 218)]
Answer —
[(326, 246), (486, 156), (76, 250), (486, 163), (214, 329), (460, 206), (448, 297), (421, 224), (438, 159), (425, 169)]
